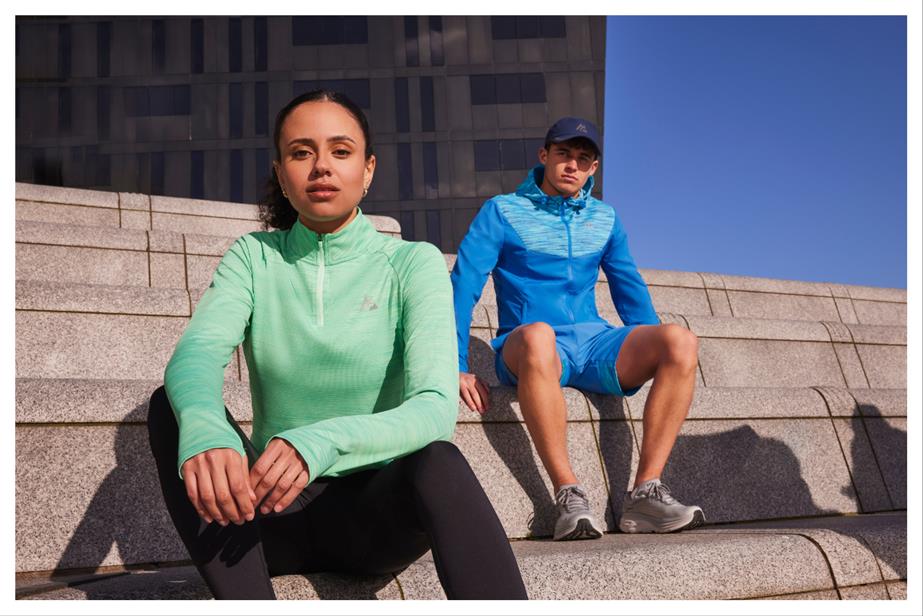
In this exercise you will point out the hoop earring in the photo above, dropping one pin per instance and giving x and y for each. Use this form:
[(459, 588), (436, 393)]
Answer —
[(284, 194), (365, 191)]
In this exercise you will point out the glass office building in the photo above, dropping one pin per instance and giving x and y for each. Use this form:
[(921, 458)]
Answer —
[(184, 106)]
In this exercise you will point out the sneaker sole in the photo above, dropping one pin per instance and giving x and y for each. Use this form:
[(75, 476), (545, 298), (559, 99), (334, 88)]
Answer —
[(583, 530), (643, 526)]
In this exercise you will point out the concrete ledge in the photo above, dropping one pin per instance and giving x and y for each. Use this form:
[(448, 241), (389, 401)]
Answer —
[(70, 196), (64, 297), (829, 558), (743, 403), (31, 232)]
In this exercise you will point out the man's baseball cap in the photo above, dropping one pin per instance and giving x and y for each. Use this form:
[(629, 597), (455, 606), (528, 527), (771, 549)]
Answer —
[(571, 128)]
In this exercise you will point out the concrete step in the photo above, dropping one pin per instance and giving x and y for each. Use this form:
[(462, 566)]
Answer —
[(861, 557), (73, 330), (830, 451), (57, 252)]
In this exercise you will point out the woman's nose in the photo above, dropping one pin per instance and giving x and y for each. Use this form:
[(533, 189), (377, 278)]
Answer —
[(320, 167)]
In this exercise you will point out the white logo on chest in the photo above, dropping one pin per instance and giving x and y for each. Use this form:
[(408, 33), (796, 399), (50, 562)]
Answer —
[(368, 304)]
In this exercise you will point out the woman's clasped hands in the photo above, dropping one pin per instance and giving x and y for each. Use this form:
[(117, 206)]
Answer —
[(222, 488)]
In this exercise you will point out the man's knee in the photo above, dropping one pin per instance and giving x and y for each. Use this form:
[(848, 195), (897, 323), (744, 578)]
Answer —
[(536, 347), (680, 346)]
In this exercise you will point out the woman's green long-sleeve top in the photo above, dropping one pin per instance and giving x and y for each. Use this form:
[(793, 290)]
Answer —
[(350, 344)]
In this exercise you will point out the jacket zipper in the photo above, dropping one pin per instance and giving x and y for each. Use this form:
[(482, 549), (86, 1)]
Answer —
[(319, 292), (570, 257)]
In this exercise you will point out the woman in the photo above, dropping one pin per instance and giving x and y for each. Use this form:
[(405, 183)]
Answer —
[(350, 344)]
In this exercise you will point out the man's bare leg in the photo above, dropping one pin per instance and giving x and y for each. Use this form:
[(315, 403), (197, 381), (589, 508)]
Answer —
[(669, 355), (531, 355)]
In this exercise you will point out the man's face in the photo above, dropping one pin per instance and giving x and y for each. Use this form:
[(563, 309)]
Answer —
[(568, 165)]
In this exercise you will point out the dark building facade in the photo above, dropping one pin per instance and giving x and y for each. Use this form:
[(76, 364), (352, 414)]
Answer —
[(184, 106)]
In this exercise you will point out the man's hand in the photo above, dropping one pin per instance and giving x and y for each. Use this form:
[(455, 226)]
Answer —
[(474, 392), (217, 486), (279, 472)]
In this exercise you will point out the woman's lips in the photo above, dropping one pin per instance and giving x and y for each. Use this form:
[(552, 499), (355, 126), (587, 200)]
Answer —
[(322, 193)]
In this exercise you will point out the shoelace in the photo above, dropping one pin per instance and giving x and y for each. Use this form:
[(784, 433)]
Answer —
[(572, 498), (658, 491)]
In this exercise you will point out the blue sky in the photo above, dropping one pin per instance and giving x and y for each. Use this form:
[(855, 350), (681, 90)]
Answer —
[(760, 146)]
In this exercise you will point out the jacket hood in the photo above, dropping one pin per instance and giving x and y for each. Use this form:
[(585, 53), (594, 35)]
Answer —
[(531, 189)]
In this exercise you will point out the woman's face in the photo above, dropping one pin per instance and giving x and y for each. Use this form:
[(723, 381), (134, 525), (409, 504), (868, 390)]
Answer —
[(322, 166)]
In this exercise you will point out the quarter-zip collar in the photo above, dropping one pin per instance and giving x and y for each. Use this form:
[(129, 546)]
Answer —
[(558, 205), (357, 238)]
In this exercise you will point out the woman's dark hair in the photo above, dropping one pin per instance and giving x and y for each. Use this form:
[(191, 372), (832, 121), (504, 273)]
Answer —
[(275, 210)]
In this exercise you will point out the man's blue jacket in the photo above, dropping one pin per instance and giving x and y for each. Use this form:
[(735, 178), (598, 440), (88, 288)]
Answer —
[(545, 254)]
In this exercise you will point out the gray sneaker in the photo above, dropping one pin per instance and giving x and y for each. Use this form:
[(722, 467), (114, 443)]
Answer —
[(650, 508), (574, 518)]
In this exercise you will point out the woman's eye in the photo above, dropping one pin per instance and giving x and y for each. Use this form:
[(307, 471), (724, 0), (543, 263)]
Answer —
[(301, 153), (342, 152)]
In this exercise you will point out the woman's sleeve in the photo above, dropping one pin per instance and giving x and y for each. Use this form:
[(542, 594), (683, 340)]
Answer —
[(194, 377), (430, 403)]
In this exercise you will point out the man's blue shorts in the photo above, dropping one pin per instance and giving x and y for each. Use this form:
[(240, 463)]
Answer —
[(587, 364)]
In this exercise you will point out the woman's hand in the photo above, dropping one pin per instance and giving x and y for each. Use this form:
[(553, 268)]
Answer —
[(474, 392), (217, 486), (279, 472)]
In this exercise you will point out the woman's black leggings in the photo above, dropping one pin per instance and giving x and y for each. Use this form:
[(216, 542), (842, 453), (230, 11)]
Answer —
[(371, 522)]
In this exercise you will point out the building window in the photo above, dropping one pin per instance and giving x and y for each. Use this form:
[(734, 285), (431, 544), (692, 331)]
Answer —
[(506, 154), (407, 230), (103, 47), (235, 53), (197, 46), (144, 101), (411, 41), (430, 166), (512, 154), (404, 171), (237, 176), (235, 111), (436, 54), (157, 173), (507, 88), (197, 174), (260, 46), (356, 89), (64, 51), (102, 113), (159, 45), (64, 110), (427, 106), (486, 155), (261, 108), (325, 30), (434, 227), (523, 27), (263, 171), (401, 105)]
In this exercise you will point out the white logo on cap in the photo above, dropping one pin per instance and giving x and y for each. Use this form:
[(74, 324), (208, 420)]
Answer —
[(581, 128)]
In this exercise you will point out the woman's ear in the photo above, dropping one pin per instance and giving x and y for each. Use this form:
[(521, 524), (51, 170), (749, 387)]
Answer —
[(369, 171)]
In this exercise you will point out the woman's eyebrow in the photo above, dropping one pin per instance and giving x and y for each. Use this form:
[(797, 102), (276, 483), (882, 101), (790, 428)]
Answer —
[(341, 138)]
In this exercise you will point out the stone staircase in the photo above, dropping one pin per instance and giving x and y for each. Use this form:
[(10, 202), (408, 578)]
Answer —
[(795, 445)]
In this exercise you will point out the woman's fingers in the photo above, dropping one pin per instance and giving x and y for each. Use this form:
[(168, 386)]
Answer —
[(239, 485), (285, 483), (223, 498), (297, 486), (207, 496), (265, 472), (192, 491)]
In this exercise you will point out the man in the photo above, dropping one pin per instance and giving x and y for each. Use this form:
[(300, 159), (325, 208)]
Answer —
[(545, 244)]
